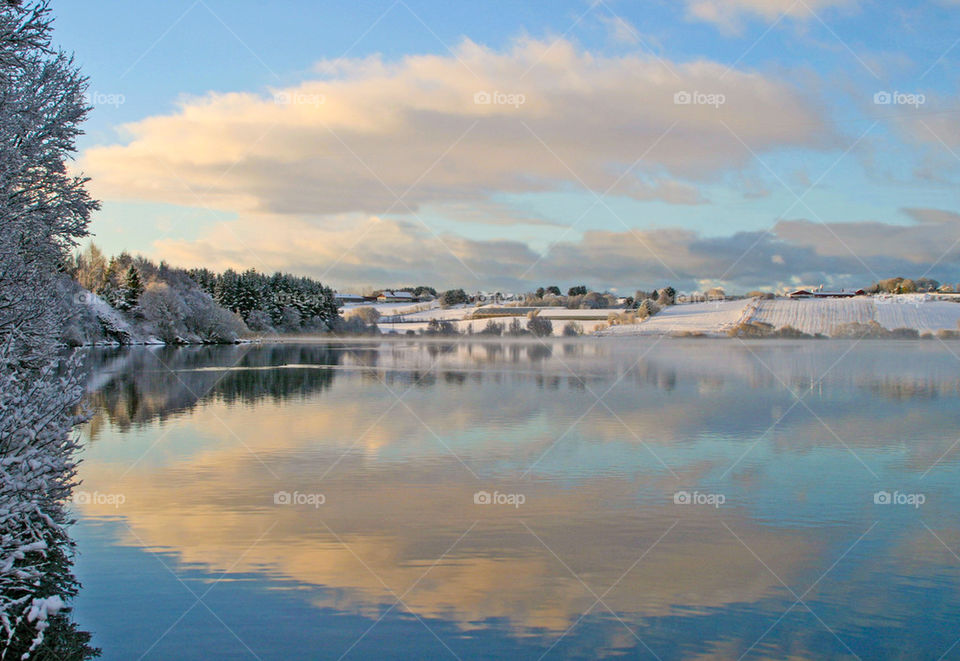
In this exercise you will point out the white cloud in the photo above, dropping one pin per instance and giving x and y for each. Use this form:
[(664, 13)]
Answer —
[(922, 241), (355, 251), (730, 15), (374, 130), (351, 250), (619, 29)]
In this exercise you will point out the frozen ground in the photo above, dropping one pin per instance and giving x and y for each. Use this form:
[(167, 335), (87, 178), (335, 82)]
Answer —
[(822, 316), (390, 308), (476, 325), (815, 315), (415, 319), (553, 312), (711, 318), (919, 311)]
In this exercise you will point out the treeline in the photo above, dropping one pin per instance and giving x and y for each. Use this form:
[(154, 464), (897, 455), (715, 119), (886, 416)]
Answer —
[(416, 290), (278, 302), (137, 299), (906, 286), (580, 298)]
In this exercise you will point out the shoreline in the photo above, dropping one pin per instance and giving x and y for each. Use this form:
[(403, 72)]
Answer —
[(486, 339)]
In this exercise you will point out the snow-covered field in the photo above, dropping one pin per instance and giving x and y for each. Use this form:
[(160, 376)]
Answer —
[(400, 318), (390, 308), (711, 318), (453, 313), (477, 325), (923, 315), (812, 316), (550, 312), (822, 316), (564, 313)]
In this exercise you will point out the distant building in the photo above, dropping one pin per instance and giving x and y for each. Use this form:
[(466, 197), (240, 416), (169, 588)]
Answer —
[(496, 297), (388, 296), (349, 298), (822, 293)]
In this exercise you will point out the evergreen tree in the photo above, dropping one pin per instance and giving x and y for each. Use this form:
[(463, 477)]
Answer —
[(110, 287), (249, 292), (132, 289), (453, 297), (226, 290)]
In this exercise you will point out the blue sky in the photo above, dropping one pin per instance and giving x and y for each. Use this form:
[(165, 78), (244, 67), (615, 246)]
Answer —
[(197, 161)]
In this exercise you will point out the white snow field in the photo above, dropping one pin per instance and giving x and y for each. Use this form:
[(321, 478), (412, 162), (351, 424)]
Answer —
[(714, 318), (814, 315), (476, 325), (923, 315), (821, 316), (390, 308), (453, 313), (495, 311), (710, 318), (401, 321)]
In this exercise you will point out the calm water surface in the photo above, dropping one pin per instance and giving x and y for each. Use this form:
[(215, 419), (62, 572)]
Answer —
[(672, 499)]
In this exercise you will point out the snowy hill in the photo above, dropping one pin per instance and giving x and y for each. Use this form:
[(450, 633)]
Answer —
[(920, 312), (711, 318)]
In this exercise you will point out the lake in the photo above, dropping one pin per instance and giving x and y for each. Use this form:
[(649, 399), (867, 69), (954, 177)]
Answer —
[(636, 498)]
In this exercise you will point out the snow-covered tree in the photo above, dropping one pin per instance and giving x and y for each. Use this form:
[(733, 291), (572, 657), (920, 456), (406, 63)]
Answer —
[(539, 326), (128, 297), (668, 296), (162, 309), (110, 289), (91, 268), (44, 211), (647, 308)]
